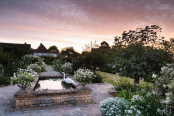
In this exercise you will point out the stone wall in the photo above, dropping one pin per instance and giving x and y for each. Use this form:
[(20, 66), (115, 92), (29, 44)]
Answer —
[(53, 98)]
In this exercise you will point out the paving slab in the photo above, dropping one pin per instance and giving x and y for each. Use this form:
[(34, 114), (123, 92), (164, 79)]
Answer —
[(99, 93)]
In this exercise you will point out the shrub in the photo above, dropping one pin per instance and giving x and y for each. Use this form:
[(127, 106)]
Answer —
[(24, 77), (67, 67), (164, 86), (127, 94), (30, 59), (35, 67), (57, 65), (113, 72), (148, 102), (84, 75), (4, 80), (114, 106), (123, 83), (48, 59), (97, 79), (76, 65)]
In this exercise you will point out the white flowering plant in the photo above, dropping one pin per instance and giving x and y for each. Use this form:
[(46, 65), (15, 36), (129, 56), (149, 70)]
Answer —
[(57, 65), (118, 107), (164, 87), (84, 75), (35, 67), (67, 66), (29, 58), (32, 59), (23, 77)]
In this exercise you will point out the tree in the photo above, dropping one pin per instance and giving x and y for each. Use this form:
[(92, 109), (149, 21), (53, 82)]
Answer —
[(94, 59), (104, 45), (138, 57), (69, 53), (53, 49), (88, 47), (146, 36), (4, 59)]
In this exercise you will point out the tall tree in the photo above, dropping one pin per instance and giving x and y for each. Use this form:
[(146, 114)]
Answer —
[(104, 45), (137, 57), (53, 49), (69, 53)]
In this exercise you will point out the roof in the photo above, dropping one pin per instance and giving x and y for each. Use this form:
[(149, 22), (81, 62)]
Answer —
[(41, 49), (20, 46)]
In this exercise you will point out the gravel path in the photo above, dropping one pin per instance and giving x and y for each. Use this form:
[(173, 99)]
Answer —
[(100, 92)]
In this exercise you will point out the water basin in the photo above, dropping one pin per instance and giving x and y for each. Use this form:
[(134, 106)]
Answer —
[(52, 84)]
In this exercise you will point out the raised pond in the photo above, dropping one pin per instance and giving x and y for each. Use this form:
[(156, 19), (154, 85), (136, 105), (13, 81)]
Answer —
[(52, 84), (49, 91)]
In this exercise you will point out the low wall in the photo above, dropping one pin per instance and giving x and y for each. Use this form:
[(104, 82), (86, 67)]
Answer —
[(53, 97)]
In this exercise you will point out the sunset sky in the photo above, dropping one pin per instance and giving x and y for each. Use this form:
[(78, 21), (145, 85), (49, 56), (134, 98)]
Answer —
[(66, 23)]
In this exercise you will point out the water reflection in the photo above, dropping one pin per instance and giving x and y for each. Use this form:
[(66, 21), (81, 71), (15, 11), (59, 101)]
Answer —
[(53, 84)]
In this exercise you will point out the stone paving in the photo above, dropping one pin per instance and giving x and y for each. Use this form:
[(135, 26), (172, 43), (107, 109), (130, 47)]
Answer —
[(100, 92)]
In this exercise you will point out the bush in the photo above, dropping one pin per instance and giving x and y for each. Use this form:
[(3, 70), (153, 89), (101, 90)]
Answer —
[(30, 59), (113, 72), (76, 65), (57, 65), (114, 106), (67, 67), (97, 79), (35, 67), (84, 75), (48, 59), (123, 83), (4, 80), (127, 94), (23, 77), (164, 86)]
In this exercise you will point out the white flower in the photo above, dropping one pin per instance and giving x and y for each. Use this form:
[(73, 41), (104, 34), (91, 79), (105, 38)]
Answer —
[(129, 111), (154, 76)]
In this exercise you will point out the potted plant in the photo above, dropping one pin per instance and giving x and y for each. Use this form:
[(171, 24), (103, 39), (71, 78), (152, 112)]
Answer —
[(84, 75), (23, 78)]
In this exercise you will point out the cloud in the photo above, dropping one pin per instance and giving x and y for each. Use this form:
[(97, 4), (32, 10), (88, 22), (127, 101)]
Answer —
[(71, 21)]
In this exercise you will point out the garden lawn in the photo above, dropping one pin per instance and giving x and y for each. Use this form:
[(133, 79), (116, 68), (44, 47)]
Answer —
[(109, 78)]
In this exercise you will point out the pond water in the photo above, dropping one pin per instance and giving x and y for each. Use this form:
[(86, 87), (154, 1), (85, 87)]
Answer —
[(52, 84)]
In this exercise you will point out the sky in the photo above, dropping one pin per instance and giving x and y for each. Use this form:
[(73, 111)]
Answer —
[(67, 23)]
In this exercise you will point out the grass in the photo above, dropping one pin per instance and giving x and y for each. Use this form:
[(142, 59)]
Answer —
[(109, 78)]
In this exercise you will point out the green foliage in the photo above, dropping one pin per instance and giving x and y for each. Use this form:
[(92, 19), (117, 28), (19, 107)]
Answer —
[(84, 75), (35, 67), (57, 65), (148, 102), (77, 64), (48, 59), (4, 80), (137, 57), (4, 57), (67, 66), (122, 83), (164, 86), (97, 79), (23, 77), (127, 94), (53, 49), (113, 106), (30, 59)]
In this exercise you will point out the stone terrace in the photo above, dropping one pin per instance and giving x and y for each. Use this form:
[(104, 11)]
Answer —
[(99, 93)]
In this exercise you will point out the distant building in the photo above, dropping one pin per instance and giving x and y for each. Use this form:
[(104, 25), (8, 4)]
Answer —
[(13, 45), (42, 51)]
